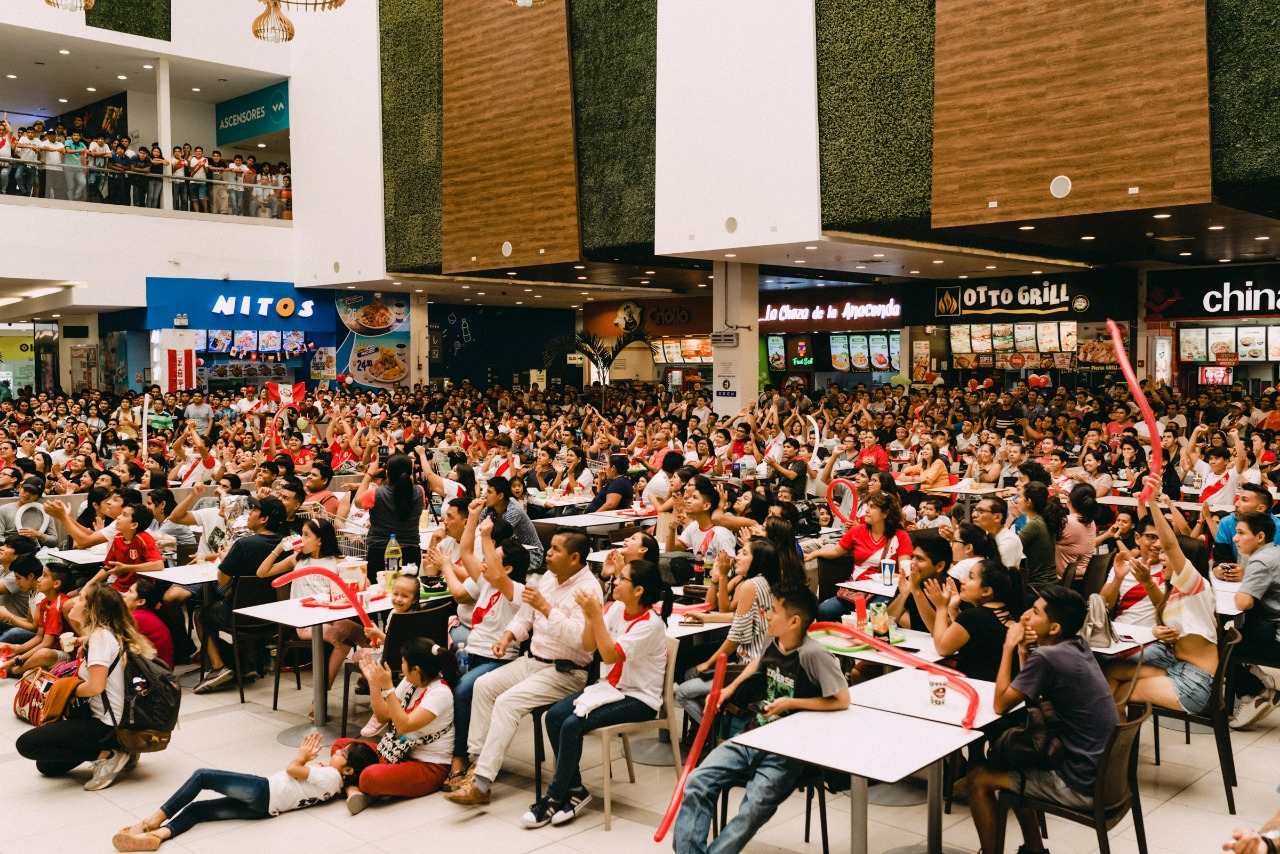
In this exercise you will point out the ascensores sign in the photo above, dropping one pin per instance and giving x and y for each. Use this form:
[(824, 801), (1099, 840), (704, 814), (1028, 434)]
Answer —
[(253, 114)]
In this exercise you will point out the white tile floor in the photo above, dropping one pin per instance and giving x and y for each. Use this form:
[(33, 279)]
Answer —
[(1183, 798)]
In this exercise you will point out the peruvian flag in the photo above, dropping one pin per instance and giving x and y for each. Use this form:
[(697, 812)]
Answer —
[(173, 359), (287, 394), (182, 370)]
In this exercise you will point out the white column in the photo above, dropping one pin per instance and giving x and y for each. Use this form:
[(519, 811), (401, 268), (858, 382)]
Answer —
[(164, 127), (735, 307)]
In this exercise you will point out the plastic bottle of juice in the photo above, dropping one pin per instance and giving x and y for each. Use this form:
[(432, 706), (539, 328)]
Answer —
[(393, 557)]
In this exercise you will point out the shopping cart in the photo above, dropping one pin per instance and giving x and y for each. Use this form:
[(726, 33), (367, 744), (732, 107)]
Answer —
[(352, 531)]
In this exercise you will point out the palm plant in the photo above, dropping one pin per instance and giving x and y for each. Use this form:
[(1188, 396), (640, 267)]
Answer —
[(601, 352)]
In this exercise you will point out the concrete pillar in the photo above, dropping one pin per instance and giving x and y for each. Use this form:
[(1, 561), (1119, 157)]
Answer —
[(164, 127), (420, 340), (735, 307)]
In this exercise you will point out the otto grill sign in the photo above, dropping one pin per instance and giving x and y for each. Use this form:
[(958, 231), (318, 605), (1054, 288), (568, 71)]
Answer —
[(996, 298), (1075, 296), (253, 115)]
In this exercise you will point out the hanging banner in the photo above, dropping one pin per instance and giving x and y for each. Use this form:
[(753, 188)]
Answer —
[(324, 363)]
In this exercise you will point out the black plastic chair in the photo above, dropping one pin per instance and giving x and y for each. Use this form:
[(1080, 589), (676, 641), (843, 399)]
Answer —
[(812, 782), (1218, 717), (247, 591), (1114, 794), (1093, 577), (430, 622)]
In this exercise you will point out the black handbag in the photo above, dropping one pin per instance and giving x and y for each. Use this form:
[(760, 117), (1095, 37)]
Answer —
[(1031, 744)]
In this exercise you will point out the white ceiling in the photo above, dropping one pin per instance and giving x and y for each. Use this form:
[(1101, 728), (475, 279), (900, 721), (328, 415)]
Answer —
[(43, 75)]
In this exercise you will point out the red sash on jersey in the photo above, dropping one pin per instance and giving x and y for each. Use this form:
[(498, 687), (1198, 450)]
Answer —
[(478, 615), (615, 672), (706, 543), (1213, 489), (1137, 593), (199, 464), (504, 468)]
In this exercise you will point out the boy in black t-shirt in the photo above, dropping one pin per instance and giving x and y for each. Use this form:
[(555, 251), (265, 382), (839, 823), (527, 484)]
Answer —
[(799, 674)]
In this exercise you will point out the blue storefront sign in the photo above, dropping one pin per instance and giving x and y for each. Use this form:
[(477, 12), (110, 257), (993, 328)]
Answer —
[(238, 304), (255, 114)]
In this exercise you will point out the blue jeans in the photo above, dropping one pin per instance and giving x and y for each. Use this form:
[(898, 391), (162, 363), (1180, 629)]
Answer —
[(691, 694), (459, 634), (567, 731), (769, 779), (15, 636), (246, 797), (480, 665), (26, 179), (76, 186), (831, 610)]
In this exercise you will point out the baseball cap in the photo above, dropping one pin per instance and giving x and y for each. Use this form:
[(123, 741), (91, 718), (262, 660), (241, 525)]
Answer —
[(34, 485)]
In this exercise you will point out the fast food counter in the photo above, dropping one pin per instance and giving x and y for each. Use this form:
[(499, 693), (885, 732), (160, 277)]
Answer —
[(815, 360)]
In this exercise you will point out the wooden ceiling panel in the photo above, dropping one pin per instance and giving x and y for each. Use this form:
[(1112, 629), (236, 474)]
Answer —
[(1111, 93), (509, 163)]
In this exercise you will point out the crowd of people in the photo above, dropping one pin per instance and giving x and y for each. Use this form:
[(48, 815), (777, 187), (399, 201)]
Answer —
[(741, 506), (50, 162)]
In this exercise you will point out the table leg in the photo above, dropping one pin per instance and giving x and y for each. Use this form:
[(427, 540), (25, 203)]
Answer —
[(933, 833), (319, 674), (857, 814)]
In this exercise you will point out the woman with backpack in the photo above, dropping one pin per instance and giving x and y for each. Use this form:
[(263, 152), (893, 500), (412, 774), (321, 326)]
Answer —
[(88, 733)]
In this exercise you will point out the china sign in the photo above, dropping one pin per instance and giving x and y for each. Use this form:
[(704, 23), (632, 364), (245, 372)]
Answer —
[(1203, 294), (253, 115)]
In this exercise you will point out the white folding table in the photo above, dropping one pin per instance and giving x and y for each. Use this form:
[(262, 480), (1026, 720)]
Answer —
[(292, 613), (867, 744)]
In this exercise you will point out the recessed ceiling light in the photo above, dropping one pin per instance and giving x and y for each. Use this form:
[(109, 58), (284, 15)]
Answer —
[(582, 278), (55, 315), (1162, 216), (62, 100), (799, 260), (822, 284), (915, 272), (1184, 254), (148, 67), (1224, 260), (964, 277), (417, 290), (1263, 237), (519, 302), (90, 89), (584, 293), (590, 299), (937, 262), (528, 290), (702, 285), (1026, 228), (466, 299), (122, 77), (395, 283), (860, 267), (195, 88), (650, 273), (351, 287), (511, 272), (878, 255), (811, 247), (1088, 237), (730, 255), (1036, 272), (466, 287), (12, 76), (64, 52), (262, 145), (1216, 227), (579, 267), (644, 281), (537, 296), (575, 305), (991, 266)]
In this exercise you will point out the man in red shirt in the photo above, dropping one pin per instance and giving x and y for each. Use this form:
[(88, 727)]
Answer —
[(871, 453), (132, 551)]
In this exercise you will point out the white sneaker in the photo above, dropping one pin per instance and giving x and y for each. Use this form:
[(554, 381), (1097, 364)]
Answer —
[(1254, 709), (1262, 676), (106, 770), (372, 728)]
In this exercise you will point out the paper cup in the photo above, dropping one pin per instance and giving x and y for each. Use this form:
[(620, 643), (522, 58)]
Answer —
[(68, 641), (937, 690)]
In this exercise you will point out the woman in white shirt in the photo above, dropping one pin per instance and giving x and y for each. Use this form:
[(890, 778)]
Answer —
[(632, 642), (58, 746), (416, 748), (319, 548)]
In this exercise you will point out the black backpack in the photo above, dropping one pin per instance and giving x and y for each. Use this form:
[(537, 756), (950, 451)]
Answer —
[(152, 698)]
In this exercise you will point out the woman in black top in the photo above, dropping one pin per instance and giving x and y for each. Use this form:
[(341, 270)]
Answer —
[(394, 509), (970, 623)]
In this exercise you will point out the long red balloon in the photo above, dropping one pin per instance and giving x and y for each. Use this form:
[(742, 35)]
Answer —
[(1149, 416), (835, 508), (708, 715), (955, 679), (352, 599)]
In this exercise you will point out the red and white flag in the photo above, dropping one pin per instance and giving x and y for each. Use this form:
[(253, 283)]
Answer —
[(173, 359), (182, 370), (287, 394)]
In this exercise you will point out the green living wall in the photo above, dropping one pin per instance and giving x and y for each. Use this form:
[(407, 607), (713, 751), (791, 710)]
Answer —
[(148, 18), (875, 113), (615, 58), (1244, 102), (412, 36)]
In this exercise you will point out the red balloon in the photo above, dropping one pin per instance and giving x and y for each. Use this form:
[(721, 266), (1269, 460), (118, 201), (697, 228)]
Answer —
[(988, 382), (835, 508), (973, 385)]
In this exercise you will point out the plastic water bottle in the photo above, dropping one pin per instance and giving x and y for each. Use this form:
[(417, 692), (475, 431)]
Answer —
[(464, 660), (393, 557)]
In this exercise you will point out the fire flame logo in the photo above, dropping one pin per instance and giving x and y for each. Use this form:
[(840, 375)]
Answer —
[(948, 302)]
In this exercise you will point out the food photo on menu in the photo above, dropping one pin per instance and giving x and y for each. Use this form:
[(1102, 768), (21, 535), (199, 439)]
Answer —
[(840, 352), (220, 340), (895, 351), (1047, 340), (960, 339), (859, 353), (1024, 338), (1193, 345), (1002, 336), (1068, 330), (777, 353), (1221, 341), (981, 334), (1273, 343), (1253, 343), (879, 352)]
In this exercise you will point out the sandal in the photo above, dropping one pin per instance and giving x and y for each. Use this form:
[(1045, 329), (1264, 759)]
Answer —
[(453, 781)]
